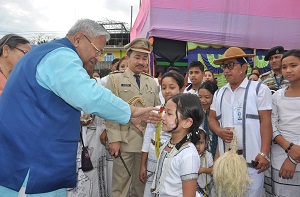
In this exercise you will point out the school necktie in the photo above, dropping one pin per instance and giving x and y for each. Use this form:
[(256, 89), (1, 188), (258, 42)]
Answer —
[(137, 78)]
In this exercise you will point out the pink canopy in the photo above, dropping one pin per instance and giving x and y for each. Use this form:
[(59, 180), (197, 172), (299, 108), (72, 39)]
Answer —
[(245, 23)]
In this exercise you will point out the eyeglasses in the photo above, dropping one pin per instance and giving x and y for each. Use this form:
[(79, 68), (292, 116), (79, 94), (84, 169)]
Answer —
[(99, 52), (23, 51), (230, 65)]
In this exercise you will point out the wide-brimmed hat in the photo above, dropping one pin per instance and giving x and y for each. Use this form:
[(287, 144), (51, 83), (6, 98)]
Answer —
[(232, 53), (139, 44)]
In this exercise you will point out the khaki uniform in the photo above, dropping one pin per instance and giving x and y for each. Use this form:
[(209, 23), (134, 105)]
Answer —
[(124, 85), (272, 81)]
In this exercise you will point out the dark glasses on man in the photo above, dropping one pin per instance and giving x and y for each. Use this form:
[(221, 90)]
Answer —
[(229, 65)]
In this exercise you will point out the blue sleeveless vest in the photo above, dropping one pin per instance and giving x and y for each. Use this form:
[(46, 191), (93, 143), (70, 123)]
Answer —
[(39, 131)]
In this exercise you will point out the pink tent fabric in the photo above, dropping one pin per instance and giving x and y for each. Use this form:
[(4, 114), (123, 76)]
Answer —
[(244, 23)]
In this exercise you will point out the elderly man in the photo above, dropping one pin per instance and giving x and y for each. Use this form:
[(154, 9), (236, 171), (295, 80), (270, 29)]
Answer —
[(40, 112), (246, 106), (273, 78), (136, 87)]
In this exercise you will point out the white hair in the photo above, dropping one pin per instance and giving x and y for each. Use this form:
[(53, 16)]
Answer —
[(89, 27)]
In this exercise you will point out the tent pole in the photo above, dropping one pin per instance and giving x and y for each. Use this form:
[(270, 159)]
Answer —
[(254, 60)]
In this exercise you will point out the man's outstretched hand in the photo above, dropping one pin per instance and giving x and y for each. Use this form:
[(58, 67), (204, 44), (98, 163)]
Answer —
[(146, 114)]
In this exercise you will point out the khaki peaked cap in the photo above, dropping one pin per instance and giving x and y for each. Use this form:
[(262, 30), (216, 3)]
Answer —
[(139, 44)]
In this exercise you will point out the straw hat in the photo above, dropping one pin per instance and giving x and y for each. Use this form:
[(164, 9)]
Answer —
[(232, 53)]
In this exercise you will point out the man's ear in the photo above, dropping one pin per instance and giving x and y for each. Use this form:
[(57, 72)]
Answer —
[(245, 67), (77, 39)]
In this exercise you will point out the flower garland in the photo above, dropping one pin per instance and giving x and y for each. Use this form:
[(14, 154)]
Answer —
[(157, 134)]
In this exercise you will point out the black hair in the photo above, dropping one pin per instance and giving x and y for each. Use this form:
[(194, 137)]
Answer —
[(210, 72), (128, 53), (120, 61), (96, 71), (255, 68), (200, 132), (115, 61), (173, 68), (196, 64), (253, 74), (177, 77), (104, 72), (210, 86), (293, 52), (189, 106), (214, 79), (243, 60), (12, 40)]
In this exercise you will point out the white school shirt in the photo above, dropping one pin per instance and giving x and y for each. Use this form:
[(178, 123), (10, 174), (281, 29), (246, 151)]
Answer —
[(184, 166), (233, 99)]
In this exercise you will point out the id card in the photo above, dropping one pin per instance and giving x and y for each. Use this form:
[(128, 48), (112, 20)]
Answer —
[(238, 115)]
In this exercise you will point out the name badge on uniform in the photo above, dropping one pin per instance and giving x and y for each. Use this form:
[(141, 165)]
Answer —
[(238, 115), (126, 85)]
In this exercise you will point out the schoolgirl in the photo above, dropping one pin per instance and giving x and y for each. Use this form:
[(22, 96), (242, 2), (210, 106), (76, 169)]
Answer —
[(171, 84), (178, 164)]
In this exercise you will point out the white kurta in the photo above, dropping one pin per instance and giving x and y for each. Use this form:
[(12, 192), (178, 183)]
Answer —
[(206, 161), (92, 183), (285, 121)]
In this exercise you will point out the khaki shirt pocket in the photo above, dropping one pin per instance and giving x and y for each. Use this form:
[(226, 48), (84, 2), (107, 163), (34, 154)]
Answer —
[(149, 97), (126, 94)]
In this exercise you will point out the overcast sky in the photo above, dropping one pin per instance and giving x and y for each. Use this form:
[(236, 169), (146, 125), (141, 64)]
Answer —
[(55, 17)]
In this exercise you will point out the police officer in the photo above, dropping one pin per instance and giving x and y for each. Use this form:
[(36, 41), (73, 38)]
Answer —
[(139, 89), (273, 78)]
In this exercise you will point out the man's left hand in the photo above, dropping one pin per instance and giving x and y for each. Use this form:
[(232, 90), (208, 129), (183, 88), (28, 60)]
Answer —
[(139, 114)]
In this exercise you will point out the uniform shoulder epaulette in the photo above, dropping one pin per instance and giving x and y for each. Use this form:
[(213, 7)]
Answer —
[(117, 71), (147, 74)]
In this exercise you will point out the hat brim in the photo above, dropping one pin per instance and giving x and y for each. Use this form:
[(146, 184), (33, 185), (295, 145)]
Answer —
[(221, 60), (274, 51), (268, 55), (140, 50)]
